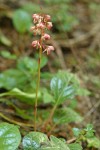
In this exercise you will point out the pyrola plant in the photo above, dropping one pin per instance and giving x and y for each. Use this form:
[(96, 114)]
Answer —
[(41, 24)]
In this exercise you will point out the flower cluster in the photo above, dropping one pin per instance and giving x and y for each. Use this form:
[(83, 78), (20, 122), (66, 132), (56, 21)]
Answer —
[(42, 23)]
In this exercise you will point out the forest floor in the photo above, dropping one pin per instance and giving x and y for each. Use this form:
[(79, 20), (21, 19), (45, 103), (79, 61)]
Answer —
[(77, 50)]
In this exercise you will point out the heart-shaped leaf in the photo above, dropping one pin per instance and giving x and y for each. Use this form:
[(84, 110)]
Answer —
[(10, 137)]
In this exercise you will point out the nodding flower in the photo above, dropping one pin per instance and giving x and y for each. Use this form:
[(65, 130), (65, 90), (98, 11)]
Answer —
[(49, 49), (49, 25), (36, 44), (45, 37)]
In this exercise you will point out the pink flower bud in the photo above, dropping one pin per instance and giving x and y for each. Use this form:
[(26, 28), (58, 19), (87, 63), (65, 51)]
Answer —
[(36, 44), (49, 25), (46, 37), (49, 49), (47, 17), (40, 25)]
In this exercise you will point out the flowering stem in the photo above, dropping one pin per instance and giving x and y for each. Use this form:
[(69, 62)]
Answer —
[(41, 23), (37, 89)]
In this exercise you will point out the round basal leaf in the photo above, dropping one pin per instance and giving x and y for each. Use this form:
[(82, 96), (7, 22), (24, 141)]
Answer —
[(10, 137), (34, 140), (21, 21)]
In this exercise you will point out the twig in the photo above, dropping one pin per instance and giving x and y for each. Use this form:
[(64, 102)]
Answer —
[(71, 140)]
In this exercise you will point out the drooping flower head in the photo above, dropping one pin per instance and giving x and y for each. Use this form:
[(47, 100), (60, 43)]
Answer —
[(41, 24)]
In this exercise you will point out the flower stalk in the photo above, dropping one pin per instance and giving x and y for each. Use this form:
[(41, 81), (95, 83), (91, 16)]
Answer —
[(37, 89), (41, 23)]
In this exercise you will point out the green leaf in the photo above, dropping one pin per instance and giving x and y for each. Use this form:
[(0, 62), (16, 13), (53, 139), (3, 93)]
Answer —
[(44, 60), (24, 97), (47, 97), (89, 131), (73, 104), (34, 140), (22, 76), (7, 54), (22, 21), (39, 141), (46, 75), (89, 127), (4, 40), (83, 92), (25, 114), (76, 132), (66, 115), (27, 65), (10, 137), (75, 146), (61, 90), (66, 85), (12, 78), (94, 142), (59, 145)]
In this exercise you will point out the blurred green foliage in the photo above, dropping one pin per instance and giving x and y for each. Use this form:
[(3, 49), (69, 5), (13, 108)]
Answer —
[(87, 134), (62, 14), (23, 76), (21, 21), (95, 10)]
